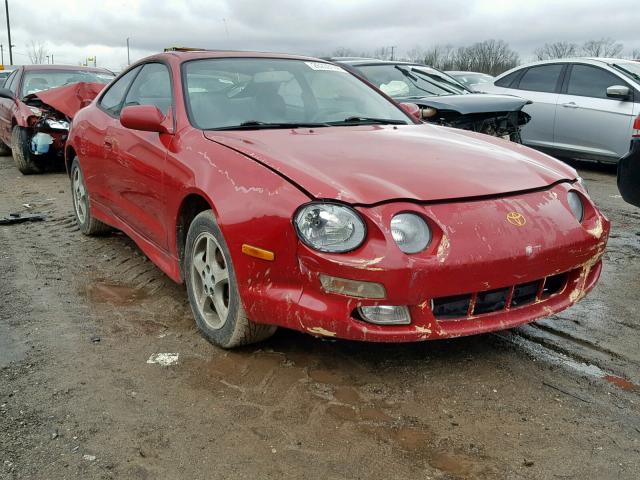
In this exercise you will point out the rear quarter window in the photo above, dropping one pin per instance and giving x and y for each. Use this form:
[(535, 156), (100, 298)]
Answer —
[(542, 78), (508, 81)]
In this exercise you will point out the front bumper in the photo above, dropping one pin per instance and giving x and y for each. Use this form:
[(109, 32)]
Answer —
[(475, 254), (629, 174)]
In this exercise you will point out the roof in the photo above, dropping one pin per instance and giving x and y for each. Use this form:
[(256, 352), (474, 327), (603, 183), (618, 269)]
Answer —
[(373, 61), (200, 54), (588, 60), (73, 68)]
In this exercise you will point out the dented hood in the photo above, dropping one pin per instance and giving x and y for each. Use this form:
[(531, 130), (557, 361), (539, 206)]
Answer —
[(471, 103), (370, 164), (70, 98)]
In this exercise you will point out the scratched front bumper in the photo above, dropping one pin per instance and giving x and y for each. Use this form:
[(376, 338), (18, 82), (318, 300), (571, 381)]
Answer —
[(474, 250)]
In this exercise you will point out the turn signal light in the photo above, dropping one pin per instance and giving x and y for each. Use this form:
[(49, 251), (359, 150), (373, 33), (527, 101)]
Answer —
[(636, 128)]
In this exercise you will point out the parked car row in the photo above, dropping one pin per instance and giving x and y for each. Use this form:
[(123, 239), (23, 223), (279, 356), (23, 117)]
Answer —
[(296, 192)]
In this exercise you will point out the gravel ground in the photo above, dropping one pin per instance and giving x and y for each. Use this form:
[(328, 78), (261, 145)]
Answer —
[(81, 318)]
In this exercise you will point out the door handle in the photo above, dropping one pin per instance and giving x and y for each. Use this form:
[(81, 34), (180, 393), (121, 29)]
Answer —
[(570, 105), (108, 145)]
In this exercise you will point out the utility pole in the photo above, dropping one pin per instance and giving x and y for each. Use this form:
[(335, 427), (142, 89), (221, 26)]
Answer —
[(52, 59), (2, 53), (6, 7), (392, 50), (128, 56)]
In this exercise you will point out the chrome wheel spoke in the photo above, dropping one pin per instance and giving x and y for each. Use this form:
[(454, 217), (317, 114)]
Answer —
[(210, 280)]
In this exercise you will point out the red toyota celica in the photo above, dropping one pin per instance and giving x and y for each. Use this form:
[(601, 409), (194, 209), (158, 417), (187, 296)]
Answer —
[(284, 191)]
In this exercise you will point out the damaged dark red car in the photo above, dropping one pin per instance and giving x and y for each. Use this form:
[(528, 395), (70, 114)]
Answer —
[(37, 104)]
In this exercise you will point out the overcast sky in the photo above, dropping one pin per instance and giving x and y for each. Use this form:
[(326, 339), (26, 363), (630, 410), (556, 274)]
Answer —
[(75, 29)]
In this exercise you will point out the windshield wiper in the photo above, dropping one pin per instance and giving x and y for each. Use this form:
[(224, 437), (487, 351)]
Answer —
[(444, 81), (368, 120), (257, 125)]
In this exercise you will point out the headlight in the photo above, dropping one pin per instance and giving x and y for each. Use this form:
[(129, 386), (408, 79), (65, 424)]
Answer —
[(329, 227), (411, 232), (57, 124), (575, 202)]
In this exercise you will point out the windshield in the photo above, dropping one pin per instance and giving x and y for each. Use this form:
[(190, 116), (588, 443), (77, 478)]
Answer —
[(411, 81), (38, 81), (226, 93), (630, 69), (472, 78)]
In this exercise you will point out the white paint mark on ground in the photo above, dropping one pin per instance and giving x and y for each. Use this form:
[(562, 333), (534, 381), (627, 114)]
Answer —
[(164, 359)]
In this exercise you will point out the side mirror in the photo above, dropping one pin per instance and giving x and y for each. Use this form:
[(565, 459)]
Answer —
[(6, 93), (412, 109), (143, 117), (618, 91)]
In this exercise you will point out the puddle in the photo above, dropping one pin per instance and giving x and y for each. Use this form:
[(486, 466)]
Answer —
[(114, 294)]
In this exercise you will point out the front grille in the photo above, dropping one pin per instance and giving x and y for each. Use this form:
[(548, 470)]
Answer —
[(479, 303)]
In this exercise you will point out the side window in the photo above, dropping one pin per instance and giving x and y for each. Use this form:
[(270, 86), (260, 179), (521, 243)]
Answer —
[(112, 100), (11, 83), (543, 78), (588, 81), (508, 81), (151, 87)]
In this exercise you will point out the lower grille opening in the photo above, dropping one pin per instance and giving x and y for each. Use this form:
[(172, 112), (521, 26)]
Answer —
[(451, 307), (462, 306), (491, 301), (525, 293), (554, 284)]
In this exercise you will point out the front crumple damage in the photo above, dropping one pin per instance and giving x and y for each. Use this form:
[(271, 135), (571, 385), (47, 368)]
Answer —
[(506, 125), (48, 115), (495, 115)]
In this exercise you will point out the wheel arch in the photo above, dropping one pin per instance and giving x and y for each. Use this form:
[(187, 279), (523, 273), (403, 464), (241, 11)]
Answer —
[(69, 155), (192, 204)]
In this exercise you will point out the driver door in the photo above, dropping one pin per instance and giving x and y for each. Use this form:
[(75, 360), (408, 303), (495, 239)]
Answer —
[(589, 123)]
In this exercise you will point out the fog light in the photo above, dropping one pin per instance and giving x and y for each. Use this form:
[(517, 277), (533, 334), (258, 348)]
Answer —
[(386, 315), (353, 288)]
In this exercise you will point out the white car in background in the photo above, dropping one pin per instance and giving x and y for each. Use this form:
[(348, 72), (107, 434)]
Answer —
[(582, 108)]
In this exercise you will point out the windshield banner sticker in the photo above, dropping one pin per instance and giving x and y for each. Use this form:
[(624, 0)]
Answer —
[(324, 66)]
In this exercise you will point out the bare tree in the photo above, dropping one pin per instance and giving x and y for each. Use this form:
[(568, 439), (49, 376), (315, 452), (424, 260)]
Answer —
[(490, 56), (37, 52), (416, 54), (605, 47), (440, 56), (556, 50), (635, 54)]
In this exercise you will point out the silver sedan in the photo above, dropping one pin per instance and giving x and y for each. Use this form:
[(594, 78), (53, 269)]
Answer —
[(582, 108)]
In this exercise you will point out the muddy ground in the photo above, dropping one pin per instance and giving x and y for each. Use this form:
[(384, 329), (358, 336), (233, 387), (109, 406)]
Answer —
[(80, 318)]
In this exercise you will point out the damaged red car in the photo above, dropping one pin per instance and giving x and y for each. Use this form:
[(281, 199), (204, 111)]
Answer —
[(285, 191), (37, 104)]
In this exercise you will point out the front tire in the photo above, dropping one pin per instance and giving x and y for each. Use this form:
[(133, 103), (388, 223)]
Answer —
[(212, 288), (22, 155), (81, 206)]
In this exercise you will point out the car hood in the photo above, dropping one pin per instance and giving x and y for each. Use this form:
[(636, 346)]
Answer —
[(371, 164), (69, 98), (471, 103)]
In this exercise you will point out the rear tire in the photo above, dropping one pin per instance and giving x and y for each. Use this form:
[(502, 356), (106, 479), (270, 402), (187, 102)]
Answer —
[(212, 288), (81, 205), (25, 161)]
